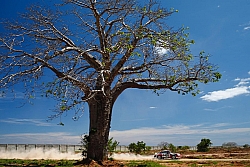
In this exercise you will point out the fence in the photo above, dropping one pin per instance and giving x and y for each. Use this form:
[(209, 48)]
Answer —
[(60, 147), (44, 147)]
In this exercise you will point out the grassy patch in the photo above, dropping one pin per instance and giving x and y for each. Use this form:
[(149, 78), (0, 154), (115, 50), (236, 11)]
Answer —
[(144, 164), (20, 162)]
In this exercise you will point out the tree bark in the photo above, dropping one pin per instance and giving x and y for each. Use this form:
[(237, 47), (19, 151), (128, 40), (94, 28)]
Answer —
[(100, 111)]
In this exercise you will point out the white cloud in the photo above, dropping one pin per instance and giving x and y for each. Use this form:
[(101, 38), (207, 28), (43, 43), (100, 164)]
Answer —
[(246, 28), (180, 134), (152, 107), (36, 122), (161, 50), (239, 89), (225, 94)]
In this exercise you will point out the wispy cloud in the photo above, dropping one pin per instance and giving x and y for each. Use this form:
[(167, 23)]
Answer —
[(242, 87), (216, 109), (40, 138), (243, 81), (176, 134), (152, 107), (180, 134), (246, 26), (35, 122)]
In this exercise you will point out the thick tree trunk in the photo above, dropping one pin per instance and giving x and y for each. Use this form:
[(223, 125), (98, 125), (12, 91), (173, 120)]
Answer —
[(100, 110)]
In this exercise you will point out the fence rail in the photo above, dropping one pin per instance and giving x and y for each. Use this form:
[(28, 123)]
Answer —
[(44, 147), (61, 147)]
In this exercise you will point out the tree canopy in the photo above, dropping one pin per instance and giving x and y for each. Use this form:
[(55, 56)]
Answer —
[(92, 50), (204, 145)]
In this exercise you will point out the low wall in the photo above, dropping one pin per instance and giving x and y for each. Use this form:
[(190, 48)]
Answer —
[(61, 147), (44, 147)]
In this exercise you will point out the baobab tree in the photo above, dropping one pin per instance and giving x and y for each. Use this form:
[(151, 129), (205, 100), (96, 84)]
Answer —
[(89, 51)]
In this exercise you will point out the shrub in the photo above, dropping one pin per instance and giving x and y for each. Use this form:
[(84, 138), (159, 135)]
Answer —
[(183, 147)]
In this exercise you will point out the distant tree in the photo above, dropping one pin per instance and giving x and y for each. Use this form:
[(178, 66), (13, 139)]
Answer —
[(171, 147), (137, 148), (229, 144), (91, 51), (163, 145), (132, 147), (246, 146), (204, 145)]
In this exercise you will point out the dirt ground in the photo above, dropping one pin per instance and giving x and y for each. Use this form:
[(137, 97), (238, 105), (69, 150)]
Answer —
[(205, 163), (170, 163), (216, 157)]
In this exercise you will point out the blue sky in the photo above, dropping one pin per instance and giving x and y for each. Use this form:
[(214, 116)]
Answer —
[(220, 112)]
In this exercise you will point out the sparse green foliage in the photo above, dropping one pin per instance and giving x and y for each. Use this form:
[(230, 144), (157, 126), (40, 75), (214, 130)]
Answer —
[(203, 146), (111, 146), (183, 147), (137, 148), (171, 147), (144, 164), (43, 162), (148, 148), (84, 142)]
